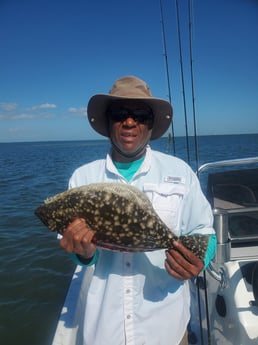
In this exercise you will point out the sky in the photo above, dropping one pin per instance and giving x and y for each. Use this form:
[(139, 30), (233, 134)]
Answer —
[(56, 54)]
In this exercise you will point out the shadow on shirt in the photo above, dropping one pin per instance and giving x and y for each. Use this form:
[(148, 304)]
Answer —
[(147, 270)]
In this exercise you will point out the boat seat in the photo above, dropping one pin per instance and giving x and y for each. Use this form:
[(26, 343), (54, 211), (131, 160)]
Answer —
[(234, 188), (235, 193)]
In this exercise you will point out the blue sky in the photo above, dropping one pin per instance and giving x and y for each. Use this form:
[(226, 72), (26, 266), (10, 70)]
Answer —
[(56, 54)]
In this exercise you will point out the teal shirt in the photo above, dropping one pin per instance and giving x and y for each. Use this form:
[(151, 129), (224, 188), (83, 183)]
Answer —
[(211, 250), (127, 170)]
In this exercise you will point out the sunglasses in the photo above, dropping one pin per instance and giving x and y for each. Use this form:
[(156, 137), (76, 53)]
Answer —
[(142, 116)]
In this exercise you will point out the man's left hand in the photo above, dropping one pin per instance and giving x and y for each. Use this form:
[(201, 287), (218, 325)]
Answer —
[(181, 263)]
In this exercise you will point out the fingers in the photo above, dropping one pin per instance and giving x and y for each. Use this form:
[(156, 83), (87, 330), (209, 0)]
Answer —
[(77, 238), (175, 266), (181, 263)]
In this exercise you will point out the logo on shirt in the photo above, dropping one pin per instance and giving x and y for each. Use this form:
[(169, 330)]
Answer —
[(173, 179)]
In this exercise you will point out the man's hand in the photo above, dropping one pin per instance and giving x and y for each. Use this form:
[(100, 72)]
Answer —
[(181, 263), (77, 239)]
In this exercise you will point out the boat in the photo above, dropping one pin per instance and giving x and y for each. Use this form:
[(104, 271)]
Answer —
[(70, 323), (224, 298)]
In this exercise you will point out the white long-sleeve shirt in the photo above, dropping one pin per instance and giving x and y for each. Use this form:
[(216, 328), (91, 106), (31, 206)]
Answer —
[(131, 298)]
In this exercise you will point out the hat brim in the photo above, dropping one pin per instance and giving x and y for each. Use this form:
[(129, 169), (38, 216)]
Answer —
[(98, 104)]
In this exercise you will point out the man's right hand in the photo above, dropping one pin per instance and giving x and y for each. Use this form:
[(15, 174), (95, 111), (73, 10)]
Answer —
[(77, 238)]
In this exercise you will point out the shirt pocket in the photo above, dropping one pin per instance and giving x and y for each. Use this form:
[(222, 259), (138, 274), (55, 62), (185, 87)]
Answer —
[(166, 199)]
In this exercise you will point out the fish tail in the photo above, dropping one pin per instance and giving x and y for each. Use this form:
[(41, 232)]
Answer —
[(196, 243)]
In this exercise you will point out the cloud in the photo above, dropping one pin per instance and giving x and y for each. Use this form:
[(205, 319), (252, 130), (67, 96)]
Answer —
[(12, 112), (81, 110), (44, 106), (14, 129), (24, 116), (73, 110), (8, 106)]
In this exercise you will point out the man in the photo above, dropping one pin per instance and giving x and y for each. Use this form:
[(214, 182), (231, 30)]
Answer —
[(139, 298)]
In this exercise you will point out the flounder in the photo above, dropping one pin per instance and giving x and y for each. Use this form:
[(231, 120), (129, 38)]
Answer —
[(122, 217)]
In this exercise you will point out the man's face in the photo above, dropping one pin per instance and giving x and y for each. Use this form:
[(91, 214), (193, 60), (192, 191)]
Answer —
[(130, 125)]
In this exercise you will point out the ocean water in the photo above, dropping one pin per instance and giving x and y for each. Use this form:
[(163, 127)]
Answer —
[(34, 271)]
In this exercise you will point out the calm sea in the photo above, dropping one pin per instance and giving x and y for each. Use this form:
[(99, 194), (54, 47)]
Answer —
[(34, 271)]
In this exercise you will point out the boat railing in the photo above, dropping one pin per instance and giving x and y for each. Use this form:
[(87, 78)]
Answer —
[(226, 163)]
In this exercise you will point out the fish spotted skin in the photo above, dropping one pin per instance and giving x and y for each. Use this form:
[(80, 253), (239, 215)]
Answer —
[(122, 217)]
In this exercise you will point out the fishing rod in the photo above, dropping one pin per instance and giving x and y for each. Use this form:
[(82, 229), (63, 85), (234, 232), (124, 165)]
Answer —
[(190, 19), (182, 81), (190, 16), (167, 73)]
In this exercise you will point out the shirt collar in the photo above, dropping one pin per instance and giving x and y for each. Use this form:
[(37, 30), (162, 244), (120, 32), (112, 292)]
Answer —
[(144, 168)]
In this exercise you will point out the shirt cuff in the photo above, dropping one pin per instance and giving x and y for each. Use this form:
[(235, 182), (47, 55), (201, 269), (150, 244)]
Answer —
[(85, 262), (211, 250)]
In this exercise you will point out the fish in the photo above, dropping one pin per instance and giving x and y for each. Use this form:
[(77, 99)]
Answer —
[(121, 216)]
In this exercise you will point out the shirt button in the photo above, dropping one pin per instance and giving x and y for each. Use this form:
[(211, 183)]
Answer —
[(128, 264), (128, 316), (128, 290)]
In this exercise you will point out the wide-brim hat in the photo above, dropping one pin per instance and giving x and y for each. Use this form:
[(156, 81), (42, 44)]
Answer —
[(133, 88)]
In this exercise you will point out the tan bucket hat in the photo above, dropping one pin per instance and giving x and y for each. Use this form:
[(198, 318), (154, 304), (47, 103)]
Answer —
[(129, 87)]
